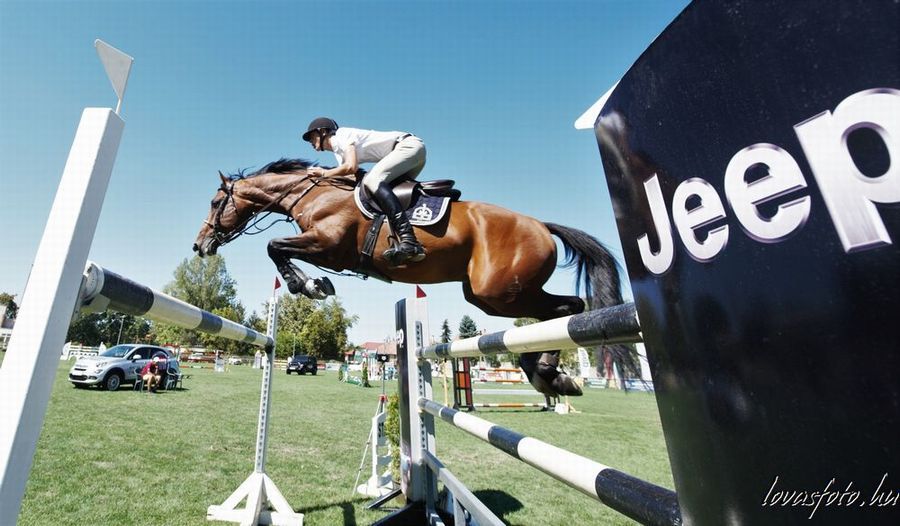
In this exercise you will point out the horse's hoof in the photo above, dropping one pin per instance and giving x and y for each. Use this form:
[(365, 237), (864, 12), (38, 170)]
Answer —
[(324, 284), (552, 381), (564, 385), (318, 289)]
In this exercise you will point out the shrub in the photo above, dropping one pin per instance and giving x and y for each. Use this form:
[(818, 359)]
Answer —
[(392, 433), (365, 375)]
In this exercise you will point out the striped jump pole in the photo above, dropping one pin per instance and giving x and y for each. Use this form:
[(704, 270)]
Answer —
[(105, 290), (642, 501), (607, 326)]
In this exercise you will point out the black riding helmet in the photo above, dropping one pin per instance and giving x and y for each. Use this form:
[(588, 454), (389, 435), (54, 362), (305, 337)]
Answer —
[(321, 123)]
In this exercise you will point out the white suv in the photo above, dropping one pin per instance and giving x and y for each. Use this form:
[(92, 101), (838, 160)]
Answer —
[(121, 364)]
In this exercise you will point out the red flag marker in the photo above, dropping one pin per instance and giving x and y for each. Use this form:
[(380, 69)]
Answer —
[(419, 292), (277, 283)]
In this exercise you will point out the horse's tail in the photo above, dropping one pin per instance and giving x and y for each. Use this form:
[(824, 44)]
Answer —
[(597, 271), (595, 268)]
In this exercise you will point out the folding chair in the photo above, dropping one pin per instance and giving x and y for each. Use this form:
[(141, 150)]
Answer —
[(173, 380)]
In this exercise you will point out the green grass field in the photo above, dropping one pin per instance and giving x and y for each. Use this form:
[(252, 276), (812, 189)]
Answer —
[(160, 459)]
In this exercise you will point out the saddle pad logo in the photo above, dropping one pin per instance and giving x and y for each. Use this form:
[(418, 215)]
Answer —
[(421, 213)]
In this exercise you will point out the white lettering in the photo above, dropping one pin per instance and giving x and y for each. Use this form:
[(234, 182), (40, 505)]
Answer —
[(707, 212), (849, 195), (659, 262), (784, 177)]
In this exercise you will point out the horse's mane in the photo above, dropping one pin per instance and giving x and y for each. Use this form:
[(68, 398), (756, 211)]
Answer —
[(284, 166), (281, 166)]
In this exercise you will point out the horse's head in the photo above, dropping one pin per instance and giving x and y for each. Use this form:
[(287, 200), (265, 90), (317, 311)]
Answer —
[(227, 213)]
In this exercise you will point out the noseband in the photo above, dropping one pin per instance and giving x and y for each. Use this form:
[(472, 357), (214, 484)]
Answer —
[(220, 236)]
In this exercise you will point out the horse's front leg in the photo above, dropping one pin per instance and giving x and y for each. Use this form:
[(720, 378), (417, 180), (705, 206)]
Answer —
[(281, 250)]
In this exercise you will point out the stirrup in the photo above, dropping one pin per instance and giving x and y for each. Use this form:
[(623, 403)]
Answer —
[(407, 252)]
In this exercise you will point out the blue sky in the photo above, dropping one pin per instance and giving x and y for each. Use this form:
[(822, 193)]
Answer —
[(492, 87)]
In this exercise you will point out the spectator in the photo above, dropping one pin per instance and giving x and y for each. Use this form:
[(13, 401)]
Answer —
[(150, 374)]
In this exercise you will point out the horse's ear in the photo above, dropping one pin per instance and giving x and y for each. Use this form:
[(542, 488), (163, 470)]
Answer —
[(223, 178)]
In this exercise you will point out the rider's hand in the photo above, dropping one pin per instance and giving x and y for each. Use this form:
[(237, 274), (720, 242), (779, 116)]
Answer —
[(315, 171)]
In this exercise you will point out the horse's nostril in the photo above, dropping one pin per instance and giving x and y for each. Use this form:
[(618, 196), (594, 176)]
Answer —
[(196, 248)]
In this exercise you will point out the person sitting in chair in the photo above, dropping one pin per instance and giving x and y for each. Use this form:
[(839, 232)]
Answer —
[(394, 153), (150, 374)]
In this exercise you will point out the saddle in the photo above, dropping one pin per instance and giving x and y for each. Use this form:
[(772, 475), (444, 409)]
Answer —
[(412, 195), (424, 202)]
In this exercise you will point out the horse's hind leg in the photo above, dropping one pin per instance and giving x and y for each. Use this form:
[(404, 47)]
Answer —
[(541, 369)]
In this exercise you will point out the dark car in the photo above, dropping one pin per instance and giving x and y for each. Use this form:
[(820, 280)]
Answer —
[(302, 364)]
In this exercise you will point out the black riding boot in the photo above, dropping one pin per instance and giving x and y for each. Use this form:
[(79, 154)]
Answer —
[(409, 248)]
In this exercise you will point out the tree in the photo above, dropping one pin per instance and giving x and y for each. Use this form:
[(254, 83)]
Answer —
[(257, 322), (445, 332), (85, 330), (467, 327), (312, 327), (292, 316), (325, 330), (9, 300), (204, 283), (94, 328)]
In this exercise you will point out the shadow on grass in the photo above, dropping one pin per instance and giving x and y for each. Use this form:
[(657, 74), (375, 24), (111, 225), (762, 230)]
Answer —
[(499, 502), (345, 506), (126, 388)]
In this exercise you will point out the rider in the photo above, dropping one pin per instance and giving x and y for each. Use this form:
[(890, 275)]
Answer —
[(394, 153)]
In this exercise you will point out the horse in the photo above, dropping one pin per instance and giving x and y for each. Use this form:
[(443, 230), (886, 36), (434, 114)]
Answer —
[(502, 258)]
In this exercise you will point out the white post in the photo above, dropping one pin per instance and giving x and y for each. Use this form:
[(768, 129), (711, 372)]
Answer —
[(264, 503), (265, 403), (416, 428), (50, 300)]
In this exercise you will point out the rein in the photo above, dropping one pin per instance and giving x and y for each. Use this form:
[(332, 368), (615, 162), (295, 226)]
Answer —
[(256, 217)]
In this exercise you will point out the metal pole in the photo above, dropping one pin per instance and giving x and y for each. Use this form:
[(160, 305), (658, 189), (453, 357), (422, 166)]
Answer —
[(121, 322)]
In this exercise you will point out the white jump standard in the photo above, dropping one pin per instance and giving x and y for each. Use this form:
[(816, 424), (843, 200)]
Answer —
[(61, 284)]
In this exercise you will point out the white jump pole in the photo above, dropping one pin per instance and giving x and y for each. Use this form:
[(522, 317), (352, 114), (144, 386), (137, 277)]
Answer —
[(51, 294)]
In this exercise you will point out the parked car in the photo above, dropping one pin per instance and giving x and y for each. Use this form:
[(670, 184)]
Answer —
[(302, 364), (235, 360), (120, 364)]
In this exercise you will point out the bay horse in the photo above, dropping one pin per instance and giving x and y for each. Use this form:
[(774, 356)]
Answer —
[(502, 258)]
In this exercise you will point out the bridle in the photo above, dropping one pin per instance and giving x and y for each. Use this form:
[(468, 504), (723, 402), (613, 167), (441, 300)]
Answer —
[(222, 237)]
